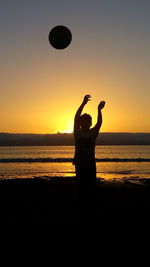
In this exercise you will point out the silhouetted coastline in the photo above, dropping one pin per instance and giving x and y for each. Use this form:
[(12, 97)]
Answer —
[(65, 139)]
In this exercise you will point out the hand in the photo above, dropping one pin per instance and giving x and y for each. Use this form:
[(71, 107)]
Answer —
[(86, 99), (101, 105)]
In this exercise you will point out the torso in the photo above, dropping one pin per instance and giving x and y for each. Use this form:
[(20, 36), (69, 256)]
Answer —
[(84, 147)]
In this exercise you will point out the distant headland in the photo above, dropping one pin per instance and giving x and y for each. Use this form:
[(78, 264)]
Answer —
[(66, 139)]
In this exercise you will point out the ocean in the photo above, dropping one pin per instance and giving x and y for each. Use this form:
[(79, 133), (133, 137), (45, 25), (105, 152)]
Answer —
[(112, 162)]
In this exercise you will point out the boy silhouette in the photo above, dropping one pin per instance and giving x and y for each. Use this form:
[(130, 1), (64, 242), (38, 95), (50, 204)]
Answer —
[(85, 138)]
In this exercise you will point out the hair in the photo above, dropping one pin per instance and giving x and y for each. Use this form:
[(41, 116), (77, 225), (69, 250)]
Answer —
[(85, 121)]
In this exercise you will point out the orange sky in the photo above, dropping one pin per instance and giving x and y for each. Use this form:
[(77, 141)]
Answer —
[(41, 87)]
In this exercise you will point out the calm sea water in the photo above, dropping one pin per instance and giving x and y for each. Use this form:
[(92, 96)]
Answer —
[(53, 161)]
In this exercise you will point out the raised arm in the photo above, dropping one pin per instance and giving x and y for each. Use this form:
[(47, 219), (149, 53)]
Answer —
[(79, 111), (97, 126)]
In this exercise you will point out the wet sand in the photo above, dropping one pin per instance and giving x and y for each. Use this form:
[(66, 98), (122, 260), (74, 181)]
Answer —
[(55, 201)]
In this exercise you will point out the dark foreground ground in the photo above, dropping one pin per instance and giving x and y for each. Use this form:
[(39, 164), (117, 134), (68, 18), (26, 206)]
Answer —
[(55, 201)]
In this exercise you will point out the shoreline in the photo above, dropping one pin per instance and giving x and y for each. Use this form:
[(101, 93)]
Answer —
[(132, 180)]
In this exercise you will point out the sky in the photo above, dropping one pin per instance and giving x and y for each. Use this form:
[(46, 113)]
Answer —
[(108, 58)]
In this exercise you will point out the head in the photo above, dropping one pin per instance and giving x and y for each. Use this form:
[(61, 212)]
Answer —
[(85, 121)]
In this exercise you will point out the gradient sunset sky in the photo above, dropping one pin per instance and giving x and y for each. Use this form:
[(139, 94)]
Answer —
[(109, 58)]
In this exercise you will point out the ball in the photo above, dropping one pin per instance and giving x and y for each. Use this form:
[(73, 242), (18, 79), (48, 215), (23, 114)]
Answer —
[(60, 37)]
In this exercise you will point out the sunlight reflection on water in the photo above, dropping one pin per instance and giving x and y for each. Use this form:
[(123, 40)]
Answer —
[(106, 170)]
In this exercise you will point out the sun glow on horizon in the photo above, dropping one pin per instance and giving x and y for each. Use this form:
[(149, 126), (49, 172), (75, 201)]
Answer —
[(67, 131), (68, 127)]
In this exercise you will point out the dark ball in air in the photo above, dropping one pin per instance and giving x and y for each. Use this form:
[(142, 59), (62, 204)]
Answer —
[(60, 37)]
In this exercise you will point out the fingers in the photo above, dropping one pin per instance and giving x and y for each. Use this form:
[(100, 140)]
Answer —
[(102, 102), (88, 96), (101, 105)]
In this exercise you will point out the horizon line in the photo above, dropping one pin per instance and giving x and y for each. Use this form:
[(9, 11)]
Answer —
[(72, 133)]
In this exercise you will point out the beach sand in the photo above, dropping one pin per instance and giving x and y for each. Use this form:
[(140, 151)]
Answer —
[(55, 201)]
